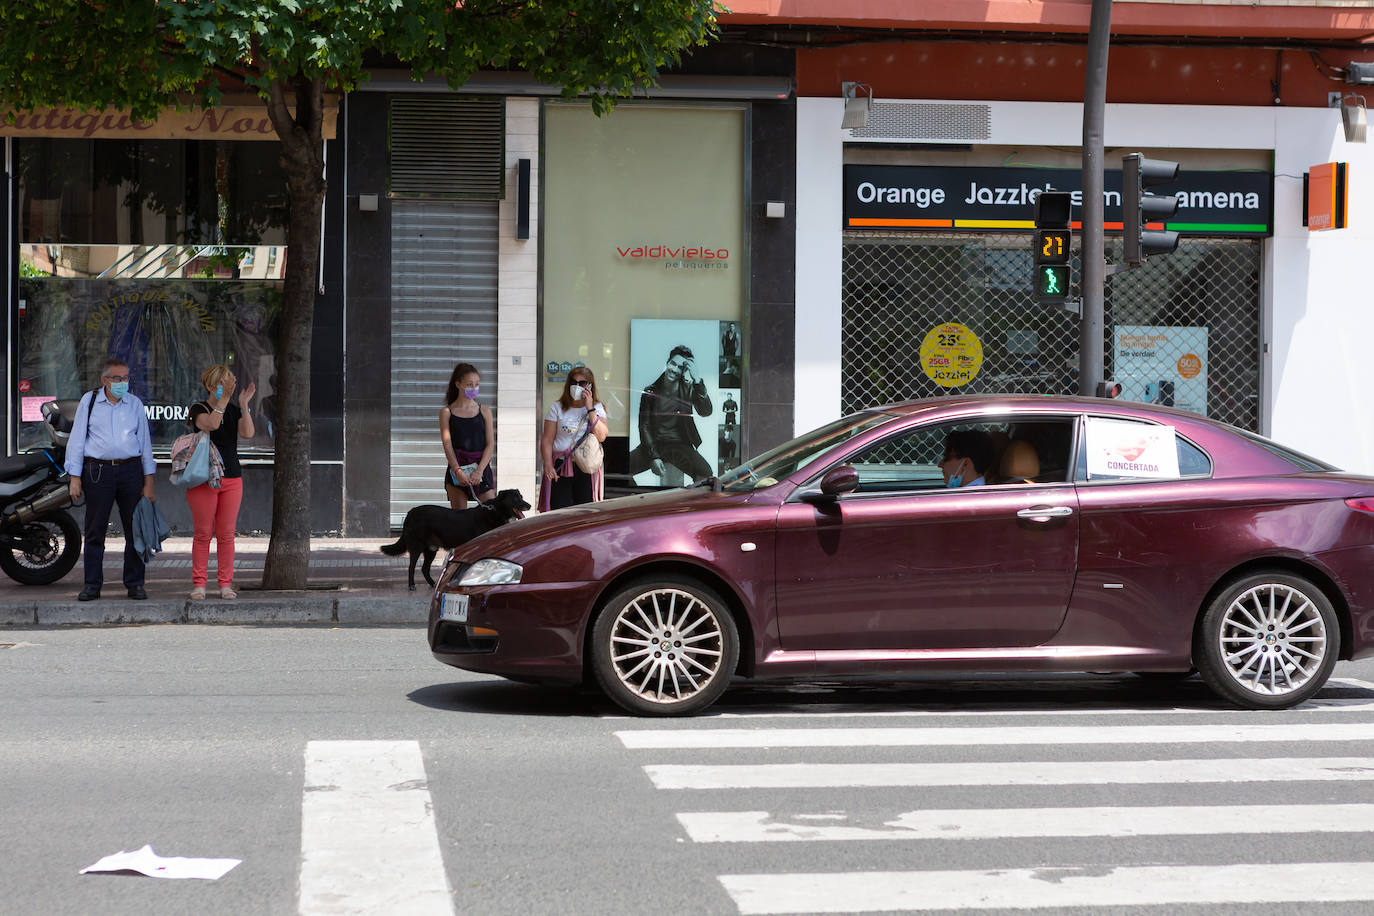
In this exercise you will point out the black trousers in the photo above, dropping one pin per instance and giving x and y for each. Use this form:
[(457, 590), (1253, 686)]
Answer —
[(679, 454), (571, 491), (105, 486)]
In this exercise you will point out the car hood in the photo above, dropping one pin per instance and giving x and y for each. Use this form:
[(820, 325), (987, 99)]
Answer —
[(580, 520)]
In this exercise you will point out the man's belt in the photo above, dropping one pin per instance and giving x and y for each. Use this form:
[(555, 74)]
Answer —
[(111, 460)]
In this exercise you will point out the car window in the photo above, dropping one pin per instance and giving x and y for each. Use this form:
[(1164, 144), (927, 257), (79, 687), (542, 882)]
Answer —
[(1297, 459), (1013, 451), (775, 464), (1124, 447)]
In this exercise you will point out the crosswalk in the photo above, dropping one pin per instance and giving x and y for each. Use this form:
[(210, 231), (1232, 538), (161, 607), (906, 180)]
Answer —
[(1243, 809)]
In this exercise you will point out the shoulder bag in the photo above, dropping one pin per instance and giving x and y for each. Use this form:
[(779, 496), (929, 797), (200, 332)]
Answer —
[(587, 453), (195, 460)]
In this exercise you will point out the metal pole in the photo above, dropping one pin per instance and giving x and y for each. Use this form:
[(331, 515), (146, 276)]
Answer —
[(1091, 361)]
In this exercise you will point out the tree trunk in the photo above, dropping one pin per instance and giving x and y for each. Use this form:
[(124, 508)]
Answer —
[(302, 144)]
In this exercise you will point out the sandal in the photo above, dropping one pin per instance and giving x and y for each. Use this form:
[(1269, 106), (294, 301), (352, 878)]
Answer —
[(227, 592), (198, 592)]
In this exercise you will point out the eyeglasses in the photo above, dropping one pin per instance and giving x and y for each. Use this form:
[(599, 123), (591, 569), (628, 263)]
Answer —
[(579, 381), (116, 378)]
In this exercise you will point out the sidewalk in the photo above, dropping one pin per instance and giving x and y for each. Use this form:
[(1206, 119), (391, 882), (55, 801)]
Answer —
[(351, 582)]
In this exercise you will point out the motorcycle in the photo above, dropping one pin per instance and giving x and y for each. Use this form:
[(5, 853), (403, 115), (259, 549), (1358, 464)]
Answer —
[(39, 539)]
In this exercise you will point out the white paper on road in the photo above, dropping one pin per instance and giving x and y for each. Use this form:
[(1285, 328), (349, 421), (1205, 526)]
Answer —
[(147, 862)]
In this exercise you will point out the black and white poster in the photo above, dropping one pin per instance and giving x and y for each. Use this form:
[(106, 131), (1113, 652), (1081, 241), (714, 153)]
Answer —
[(676, 366)]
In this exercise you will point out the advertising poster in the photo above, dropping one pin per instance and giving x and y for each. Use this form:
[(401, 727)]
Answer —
[(1141, 450), (676, 367), (951, 355), (1158, 364)]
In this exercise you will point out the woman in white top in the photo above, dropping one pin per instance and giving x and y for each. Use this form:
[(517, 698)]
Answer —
[(568, 418)]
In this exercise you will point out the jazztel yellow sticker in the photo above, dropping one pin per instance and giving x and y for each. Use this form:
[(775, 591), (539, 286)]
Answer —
[(951, 355)]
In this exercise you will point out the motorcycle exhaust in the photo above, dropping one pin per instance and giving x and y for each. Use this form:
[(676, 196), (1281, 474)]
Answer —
[(56, 498)]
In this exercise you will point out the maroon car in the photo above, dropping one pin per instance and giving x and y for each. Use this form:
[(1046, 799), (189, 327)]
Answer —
[(1101, 536)]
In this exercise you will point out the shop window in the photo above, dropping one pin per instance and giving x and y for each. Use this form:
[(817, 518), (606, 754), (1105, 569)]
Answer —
[(644, 281), (162, 253)]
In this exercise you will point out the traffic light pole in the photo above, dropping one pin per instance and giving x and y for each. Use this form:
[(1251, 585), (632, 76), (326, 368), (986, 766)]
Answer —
[(1091, 341)]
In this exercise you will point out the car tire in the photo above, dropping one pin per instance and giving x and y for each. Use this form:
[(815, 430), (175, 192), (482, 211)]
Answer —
[(665, 646), (1268, 641)]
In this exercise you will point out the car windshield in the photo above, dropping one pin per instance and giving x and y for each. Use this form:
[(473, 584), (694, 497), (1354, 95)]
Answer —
[(775, 464)]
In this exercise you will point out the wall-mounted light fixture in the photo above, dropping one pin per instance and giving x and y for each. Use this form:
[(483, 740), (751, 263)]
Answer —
[(1353, 118), (856, 104), (367, 202), (775, 209)]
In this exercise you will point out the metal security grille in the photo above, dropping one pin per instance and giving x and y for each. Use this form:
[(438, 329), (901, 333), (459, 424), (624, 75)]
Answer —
[(443, 311), (447, 147), (1196, 311)]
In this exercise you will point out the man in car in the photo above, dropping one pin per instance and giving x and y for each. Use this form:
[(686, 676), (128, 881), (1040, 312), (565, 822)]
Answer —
[(968, 455)]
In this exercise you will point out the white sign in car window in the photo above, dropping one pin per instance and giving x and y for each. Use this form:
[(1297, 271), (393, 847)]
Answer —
[(1117, 449)]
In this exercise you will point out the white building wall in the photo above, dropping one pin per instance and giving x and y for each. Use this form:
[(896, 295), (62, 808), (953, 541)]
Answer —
[(517, 349), (1318, 386)]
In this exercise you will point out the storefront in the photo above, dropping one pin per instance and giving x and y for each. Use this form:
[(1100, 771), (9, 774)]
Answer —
[(1248, 321), (646, 279), (161, 243)]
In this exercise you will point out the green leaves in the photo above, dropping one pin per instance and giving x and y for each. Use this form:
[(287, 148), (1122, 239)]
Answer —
[(143, 54)]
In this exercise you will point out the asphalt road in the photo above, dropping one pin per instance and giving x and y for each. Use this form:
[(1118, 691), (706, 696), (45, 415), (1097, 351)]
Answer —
[(1078, 794)]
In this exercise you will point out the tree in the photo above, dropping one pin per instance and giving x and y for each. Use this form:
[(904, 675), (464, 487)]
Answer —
[(144, 56)]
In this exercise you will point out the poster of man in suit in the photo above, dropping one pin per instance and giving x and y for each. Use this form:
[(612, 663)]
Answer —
[(670, 368)]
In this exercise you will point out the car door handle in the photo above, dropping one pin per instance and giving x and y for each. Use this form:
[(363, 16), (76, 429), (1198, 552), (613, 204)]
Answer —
[(1045, 513)]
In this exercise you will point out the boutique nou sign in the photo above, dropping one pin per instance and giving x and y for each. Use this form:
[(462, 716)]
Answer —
[(231, 122)]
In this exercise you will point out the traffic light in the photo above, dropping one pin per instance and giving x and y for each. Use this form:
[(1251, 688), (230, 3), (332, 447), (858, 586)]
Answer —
[(1140, 207), (1108, 389), (1053, 246)]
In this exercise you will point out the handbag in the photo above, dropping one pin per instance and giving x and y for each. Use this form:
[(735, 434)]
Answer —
[(192, 462), (587, 453)]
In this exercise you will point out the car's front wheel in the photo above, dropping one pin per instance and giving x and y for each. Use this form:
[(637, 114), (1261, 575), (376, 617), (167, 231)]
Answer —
[(664, 647), (1268, 641)]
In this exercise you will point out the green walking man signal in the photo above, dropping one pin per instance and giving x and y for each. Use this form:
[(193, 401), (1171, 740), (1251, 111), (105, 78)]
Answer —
[(1053, 246)]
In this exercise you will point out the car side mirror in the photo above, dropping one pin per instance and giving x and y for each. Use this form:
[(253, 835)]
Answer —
[(837, 481)]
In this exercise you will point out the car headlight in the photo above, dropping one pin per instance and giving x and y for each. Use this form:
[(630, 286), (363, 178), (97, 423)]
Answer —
[(491, 572)]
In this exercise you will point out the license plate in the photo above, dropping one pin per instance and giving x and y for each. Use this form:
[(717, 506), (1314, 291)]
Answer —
[(453, 608)]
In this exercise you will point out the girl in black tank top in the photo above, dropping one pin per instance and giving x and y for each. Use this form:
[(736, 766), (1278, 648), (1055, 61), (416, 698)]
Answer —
[(469, 440)]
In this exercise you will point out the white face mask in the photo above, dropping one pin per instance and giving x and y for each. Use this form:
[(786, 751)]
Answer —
[(575, 391)]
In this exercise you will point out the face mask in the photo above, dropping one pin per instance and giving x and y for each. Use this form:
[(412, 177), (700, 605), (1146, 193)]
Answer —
[(955, 481), (471, 393), (576, 392), (219, 391), (119, 389)]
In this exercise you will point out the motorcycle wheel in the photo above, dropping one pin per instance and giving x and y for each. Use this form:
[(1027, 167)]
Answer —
[(51, 542)]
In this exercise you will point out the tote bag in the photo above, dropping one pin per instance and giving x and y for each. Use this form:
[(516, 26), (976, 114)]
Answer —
[(192, 461)]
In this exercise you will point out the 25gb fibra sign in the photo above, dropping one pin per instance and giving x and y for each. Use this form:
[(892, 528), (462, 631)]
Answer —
[(922, 198)]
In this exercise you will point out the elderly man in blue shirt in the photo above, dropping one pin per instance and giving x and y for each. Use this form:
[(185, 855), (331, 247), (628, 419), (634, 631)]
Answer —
[(110, 458)]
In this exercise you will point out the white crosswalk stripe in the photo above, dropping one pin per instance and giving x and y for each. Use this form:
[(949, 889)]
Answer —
[(1032, 888), (992, 735), (945, 758), (368, 839), (1001, 823)]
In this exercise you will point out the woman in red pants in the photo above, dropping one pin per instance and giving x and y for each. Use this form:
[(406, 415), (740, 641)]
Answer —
[(215, 510)]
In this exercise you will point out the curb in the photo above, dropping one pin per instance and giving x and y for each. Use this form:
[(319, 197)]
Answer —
[(120, 610)]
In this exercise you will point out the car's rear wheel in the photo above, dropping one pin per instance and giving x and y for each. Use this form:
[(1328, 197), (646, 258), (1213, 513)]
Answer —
[(664, 647), (1268, 641)]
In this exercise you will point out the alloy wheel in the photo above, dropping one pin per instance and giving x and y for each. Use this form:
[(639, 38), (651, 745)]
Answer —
[(1273, 639), (667, 645)]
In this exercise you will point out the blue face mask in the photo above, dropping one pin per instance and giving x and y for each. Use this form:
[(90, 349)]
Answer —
[(219, 391), (119, 389), (471, 393), (955, 482)]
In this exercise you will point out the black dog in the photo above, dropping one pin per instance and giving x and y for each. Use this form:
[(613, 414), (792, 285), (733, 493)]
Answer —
[(429, 528)]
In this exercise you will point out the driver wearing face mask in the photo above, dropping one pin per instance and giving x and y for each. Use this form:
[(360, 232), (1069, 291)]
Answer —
[(968, 455)]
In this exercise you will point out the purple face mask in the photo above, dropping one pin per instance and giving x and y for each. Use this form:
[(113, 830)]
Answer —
[(471, 393)]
